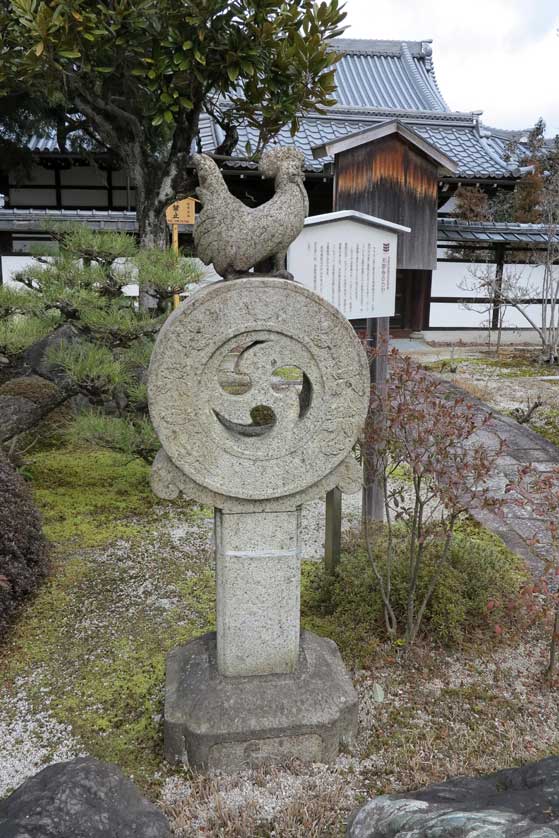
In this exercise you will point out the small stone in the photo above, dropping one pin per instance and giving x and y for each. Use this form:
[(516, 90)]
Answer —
[(83, 798), (378, 693)]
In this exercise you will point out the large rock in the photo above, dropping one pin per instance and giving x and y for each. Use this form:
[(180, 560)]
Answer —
[(16, 414), (83, 798), (36, 357), (52, 411), (516, 803)]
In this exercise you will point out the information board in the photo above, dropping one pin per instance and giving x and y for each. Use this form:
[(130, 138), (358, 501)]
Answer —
[(181, 212), (349, 261)]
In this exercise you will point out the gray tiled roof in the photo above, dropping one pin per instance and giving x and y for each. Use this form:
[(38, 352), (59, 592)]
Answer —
[(450, 230), (389, 74), (386, 80), (456, 135), (463, 143), (33, 219), (489, 232), (40, 143)]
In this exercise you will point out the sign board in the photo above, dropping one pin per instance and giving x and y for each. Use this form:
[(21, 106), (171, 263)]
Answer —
[(181, 212), (349, 258)]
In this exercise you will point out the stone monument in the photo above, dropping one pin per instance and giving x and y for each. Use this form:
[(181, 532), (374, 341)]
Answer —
[(237, 437)]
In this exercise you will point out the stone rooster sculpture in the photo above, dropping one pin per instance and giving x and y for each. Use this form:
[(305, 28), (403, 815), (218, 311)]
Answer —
[(235, 237)]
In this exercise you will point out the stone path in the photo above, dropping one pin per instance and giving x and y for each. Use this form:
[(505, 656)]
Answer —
[(523, 446)]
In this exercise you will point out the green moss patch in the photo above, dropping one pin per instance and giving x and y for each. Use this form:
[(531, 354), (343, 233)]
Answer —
[(504, 367), (95, 640), (521, 367), (546, 423), (89, 497)]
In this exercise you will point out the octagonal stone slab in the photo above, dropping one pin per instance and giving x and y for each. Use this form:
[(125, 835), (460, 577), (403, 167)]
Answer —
[(214, 721)]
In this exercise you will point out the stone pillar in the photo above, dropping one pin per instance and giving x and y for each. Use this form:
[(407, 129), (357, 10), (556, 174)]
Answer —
[(258, 592), (257, 689)]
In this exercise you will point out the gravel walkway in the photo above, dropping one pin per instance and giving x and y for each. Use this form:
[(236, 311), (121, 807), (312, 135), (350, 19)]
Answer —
[(523, 446)]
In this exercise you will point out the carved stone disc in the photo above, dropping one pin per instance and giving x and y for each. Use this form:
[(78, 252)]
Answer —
[(220, 396)]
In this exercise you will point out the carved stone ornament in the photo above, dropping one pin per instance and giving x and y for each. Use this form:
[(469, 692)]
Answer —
[(212, 380), (234, 237)]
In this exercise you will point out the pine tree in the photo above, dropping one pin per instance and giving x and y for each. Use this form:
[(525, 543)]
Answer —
[(79, 293)]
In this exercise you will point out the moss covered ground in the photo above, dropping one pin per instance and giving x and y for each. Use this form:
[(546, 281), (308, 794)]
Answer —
[(119, 596), (507, 365), (132, 577), (546, 423), (89, 497), (510, 384)]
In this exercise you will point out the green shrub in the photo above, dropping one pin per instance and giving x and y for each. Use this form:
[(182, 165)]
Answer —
[(349, 608), (23, 549)]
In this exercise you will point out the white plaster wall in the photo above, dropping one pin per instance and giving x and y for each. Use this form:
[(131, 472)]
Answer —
[(83, 176), (10, 266), (449, 275), (447, 281), (38, 174), (35, 198), (455, 316), (514, 318)]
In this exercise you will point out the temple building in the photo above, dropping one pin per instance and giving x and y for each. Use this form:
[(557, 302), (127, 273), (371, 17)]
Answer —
[(379, 84)]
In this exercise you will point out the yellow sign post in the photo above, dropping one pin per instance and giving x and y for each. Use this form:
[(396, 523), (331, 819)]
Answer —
[(181, 212)]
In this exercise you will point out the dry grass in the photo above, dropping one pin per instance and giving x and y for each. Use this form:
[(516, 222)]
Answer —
[(277, 801), (444, 714), (479, 389), (510, 384)]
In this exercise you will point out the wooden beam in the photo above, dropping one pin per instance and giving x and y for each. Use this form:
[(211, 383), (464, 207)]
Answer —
[(109, 176), (58, 188)]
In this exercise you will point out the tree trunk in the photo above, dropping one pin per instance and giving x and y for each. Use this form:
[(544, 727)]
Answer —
[(152, 233), (152, 226)]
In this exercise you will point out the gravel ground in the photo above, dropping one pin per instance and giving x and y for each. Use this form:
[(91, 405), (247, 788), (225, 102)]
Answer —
[(422, 720), (504, 390), (30, 740), (440, 716)]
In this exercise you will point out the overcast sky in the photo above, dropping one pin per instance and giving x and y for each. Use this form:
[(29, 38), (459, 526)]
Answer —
[(499, 56)]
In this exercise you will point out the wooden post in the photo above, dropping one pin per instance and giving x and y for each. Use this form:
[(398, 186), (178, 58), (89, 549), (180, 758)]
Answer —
[(333, 541), (372, 505), (175, 246), (180, 212)]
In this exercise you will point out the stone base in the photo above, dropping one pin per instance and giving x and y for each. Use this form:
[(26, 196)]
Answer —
[(230, 723)]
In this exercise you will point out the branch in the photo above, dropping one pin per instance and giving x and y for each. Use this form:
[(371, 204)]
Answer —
[(231, 134), (175, 179), (109, 119)]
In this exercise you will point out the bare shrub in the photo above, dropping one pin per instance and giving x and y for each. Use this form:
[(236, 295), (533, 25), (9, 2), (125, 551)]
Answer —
[(418, 428)]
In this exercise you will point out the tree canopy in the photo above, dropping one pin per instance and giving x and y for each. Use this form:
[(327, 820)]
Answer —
[(133, 76)]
